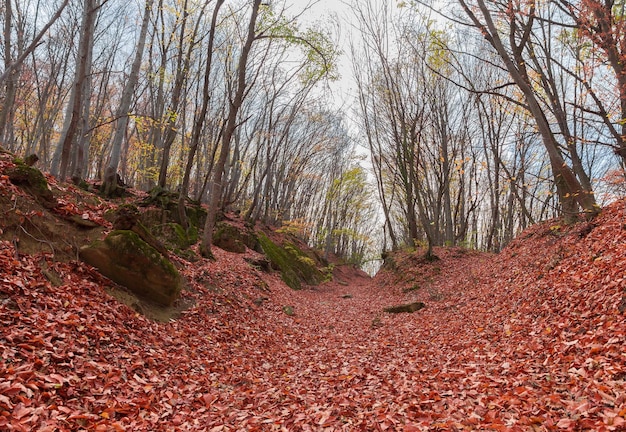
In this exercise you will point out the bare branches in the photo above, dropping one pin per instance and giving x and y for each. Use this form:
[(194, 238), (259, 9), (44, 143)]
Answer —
[(34, 44)]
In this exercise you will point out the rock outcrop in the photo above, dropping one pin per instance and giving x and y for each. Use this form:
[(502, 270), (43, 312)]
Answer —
[(295, 266), (32, 181), (129, 261)]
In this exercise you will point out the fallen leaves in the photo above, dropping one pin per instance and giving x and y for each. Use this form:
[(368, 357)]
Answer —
[(514, 342)]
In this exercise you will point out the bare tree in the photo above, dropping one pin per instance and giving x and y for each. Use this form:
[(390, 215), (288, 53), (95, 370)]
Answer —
[(520, 26), (229, 130), (109, 184), (61, 161)]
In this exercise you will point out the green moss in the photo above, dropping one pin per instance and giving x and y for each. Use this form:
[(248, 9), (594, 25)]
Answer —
[(229, 238), (187, 254), (304, 265), (296, 268), (129, 261), (192, 235), (168, 201), (173, 236), (128, 243), (328, 272), (33, 181), (196, 215)]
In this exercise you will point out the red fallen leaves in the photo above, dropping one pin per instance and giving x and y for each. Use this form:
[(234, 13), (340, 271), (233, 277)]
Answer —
[(523, 341)]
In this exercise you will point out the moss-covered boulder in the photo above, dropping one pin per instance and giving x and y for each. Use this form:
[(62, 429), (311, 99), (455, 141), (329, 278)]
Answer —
[(168, 202), (174, 236), (295, 266), (127, 217), (32, 181), (129, 261), (228, 237)]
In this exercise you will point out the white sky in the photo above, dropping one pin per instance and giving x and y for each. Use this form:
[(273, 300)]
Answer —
[(328, 13)]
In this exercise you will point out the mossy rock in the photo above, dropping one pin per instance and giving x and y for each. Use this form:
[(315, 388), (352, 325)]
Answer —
[(196, 215), (174, 236), (306, 267), (32, 181), (168, 202), (295, 267), (187, 254), (127, 217), (228, 237), (129, 261), (160, 197), (154, 216)]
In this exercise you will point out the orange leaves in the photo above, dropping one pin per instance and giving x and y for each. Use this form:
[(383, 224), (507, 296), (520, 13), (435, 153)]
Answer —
[(498, 347)]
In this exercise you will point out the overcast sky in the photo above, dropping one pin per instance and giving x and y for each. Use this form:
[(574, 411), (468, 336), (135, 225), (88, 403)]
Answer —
[(327, 13)]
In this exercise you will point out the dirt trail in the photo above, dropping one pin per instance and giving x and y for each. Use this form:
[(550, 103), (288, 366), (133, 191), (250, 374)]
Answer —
[(497, 348), (342, 363)]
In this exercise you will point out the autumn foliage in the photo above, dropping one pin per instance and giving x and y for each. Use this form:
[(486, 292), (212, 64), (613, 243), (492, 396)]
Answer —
[(531, 339)]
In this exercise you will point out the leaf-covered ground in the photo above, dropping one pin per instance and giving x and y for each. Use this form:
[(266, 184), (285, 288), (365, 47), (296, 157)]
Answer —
[(531, 339)]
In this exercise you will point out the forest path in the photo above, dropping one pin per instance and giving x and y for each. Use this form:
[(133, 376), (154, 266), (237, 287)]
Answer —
[(497, 348), (342, 362)]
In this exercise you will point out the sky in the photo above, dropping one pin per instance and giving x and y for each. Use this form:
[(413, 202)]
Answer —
[(327, 12)]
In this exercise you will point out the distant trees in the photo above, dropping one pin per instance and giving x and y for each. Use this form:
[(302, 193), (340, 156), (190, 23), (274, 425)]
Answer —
[(602, 23), (109, 182), (221, 101), (517, 54), (475, 127), (16, 49), (418, 129), (465, 135)]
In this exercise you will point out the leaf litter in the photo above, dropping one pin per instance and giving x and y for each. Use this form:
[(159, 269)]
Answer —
[(531, 339)]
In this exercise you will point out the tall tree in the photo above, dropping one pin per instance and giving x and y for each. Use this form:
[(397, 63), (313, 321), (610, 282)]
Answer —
[(12, 65), (520, 19), (603, 22), (199, 117), (109, 184), (61, 161), (186, 45), (229, 130)]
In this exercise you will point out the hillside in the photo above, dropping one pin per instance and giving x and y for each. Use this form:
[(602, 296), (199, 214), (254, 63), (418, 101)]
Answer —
[(531, 339)]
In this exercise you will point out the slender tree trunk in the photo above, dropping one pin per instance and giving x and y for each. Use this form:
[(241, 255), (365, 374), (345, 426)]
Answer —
[(182, 73), (10, 87), (81, 149), (569, 189), (33, 45), (229, 130), (69, 138), (200, 118), (109, 184)]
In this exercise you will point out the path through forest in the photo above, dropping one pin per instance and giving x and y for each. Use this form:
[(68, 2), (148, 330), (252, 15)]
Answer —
[(531, 339)]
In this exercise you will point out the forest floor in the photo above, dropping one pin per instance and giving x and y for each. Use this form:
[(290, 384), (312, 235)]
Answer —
[(531, 339)]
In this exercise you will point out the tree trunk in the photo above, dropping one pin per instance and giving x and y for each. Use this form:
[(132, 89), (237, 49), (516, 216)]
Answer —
[(109, 184), (33, 45), (200, 118), (229, 130), (569, 190), (10, 87), (74, 112)]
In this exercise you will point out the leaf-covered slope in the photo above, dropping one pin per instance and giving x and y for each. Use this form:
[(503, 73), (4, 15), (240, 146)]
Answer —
[(531, 339)]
